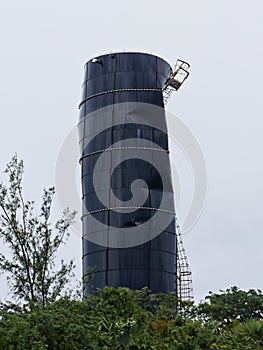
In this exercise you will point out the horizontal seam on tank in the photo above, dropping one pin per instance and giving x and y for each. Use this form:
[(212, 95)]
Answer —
[(137, 269), (114, 208), (124, 148), (138, 249), (116, 90)]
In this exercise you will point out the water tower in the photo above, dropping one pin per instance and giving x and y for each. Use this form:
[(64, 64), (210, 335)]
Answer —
[(129, 226)]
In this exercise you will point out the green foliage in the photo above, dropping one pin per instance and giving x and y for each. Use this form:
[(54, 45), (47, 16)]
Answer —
[(123, 319), (32, 244), (251, 330), (232, 304), (111, 319)]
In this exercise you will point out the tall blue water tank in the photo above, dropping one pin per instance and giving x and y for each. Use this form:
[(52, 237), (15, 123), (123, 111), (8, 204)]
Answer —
[(122, 99)]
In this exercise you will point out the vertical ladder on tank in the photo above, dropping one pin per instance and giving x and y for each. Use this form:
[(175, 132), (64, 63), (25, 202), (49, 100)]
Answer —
[(184, 274), (176, 79)]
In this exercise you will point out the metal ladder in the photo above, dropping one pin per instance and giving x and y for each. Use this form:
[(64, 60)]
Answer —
[(184, 274)]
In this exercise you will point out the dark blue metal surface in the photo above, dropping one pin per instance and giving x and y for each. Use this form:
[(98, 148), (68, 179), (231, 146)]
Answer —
[(112, 79), (123, 71)]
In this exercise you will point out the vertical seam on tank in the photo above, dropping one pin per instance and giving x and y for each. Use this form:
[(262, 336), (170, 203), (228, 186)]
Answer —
[(150, 242), (107, 251), (114, 82), (156, 73), (109, 211), (176, 256)]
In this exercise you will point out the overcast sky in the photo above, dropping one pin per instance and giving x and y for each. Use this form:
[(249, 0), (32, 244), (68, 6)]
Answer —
[(44, 45)]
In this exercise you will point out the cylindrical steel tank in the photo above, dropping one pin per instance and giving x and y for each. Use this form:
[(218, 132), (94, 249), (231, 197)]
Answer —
[(123, 139)]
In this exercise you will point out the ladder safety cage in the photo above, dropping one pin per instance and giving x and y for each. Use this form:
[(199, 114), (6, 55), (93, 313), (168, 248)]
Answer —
[(184, 274), (176, 79)]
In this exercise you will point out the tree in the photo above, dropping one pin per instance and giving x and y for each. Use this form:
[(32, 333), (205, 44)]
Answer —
[(233, 304), (110, 319), (122, 319), (32, 244), (251, 329)]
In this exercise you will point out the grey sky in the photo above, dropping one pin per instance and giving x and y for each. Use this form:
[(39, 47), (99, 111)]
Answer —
[(44, 45)]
